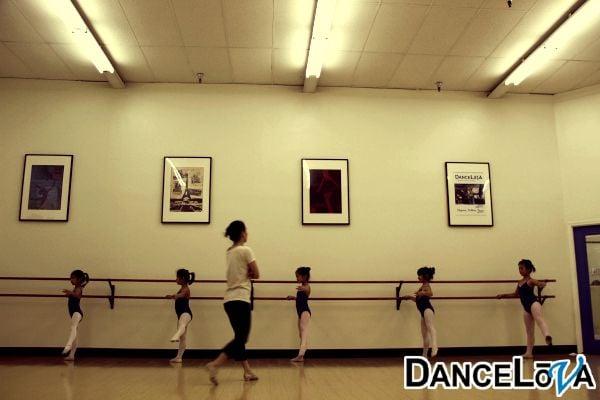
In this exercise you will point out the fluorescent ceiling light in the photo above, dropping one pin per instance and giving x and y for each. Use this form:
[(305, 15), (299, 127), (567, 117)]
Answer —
[(66, 10), (577, 23), (320, 34)]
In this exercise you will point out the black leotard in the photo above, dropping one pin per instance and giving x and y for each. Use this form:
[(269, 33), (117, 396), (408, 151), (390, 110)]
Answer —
[(423, 304), (302, 303), (73, 305), (527, 296), (182, 305)]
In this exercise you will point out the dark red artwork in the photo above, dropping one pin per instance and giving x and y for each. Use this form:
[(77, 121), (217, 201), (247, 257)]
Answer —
[(326, 191)]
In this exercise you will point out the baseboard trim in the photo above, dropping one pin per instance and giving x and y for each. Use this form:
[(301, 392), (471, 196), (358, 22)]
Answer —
[(287, 353)]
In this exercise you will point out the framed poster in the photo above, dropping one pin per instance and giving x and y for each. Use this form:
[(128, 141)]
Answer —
[(186, 190), (469, 194), (46, 187), (325, 192)]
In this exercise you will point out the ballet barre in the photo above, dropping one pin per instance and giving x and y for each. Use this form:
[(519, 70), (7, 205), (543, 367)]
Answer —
[(111, 298), (397, 298)]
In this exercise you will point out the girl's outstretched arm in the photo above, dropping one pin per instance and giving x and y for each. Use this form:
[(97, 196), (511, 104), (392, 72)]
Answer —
[(508, 295), (74, 293), (304, 288), (424, 291), (185, 292), (535, 282)]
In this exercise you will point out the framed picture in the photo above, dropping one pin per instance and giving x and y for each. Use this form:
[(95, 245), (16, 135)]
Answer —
[(469, 194), (325, 192), (186, 190), (46, 187)]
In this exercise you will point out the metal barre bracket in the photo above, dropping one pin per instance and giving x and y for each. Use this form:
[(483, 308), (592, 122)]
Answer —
[(398, 298), (541, 298), (111, 298)]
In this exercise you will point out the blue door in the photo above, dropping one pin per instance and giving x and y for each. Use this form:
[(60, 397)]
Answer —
[(587, 254)]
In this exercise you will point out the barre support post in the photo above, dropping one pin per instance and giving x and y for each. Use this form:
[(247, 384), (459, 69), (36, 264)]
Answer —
[(398, 299), (541, 298), (111, 298)]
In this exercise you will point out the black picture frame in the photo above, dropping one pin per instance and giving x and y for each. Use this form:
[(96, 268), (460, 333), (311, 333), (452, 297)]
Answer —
[(478, 210), (193, 217), (61, 214), (325, 218)]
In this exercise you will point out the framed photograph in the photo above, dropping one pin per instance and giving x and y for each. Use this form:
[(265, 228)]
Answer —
[(325, 192), (469, 194), (46, 187), (186, 190)]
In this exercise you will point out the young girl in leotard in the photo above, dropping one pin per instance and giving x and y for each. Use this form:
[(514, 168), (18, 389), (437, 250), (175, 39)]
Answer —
[(78, 279), (422, 299), (532, 307), (182, 309), (302, 309)]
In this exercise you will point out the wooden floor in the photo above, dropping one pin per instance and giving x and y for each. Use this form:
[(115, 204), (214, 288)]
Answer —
[(148, 379)]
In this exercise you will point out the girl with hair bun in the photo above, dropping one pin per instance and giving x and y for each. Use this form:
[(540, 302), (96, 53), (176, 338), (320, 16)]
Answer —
[(532, 307), (422, 299), (302, 309), (184, 278), (78, 279)]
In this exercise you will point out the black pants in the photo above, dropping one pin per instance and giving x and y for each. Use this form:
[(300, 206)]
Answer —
[(240, 317)]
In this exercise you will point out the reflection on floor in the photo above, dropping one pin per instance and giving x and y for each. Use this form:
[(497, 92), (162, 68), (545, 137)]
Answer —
[(336, 379)]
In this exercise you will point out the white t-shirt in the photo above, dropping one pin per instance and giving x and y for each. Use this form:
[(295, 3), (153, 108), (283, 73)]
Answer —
[(238, 283)]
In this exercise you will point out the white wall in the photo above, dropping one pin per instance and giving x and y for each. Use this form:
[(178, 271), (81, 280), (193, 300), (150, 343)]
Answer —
[(593, 254), (577, 121), (577, 124), (397, 143)]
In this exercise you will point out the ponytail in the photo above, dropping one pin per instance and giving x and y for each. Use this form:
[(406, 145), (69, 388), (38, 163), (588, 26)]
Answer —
[(187, 276), (235, 230), (81, 277), (426, 272), (304, 271), (527, 264)]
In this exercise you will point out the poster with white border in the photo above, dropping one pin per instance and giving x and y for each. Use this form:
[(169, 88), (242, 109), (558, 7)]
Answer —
[(186, 190), (46, 187), (469, 194), (325, 192)]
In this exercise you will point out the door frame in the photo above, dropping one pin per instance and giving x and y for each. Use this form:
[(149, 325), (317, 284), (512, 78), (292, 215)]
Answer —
[(575, 278)]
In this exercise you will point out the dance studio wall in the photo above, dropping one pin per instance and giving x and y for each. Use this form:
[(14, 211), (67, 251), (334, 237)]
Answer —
[(397, 143), (577, 122)]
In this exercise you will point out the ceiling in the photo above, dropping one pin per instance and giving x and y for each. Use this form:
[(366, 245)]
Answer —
[(469, 45)]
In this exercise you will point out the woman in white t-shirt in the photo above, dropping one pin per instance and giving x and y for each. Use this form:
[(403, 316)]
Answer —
[(241, 267)]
